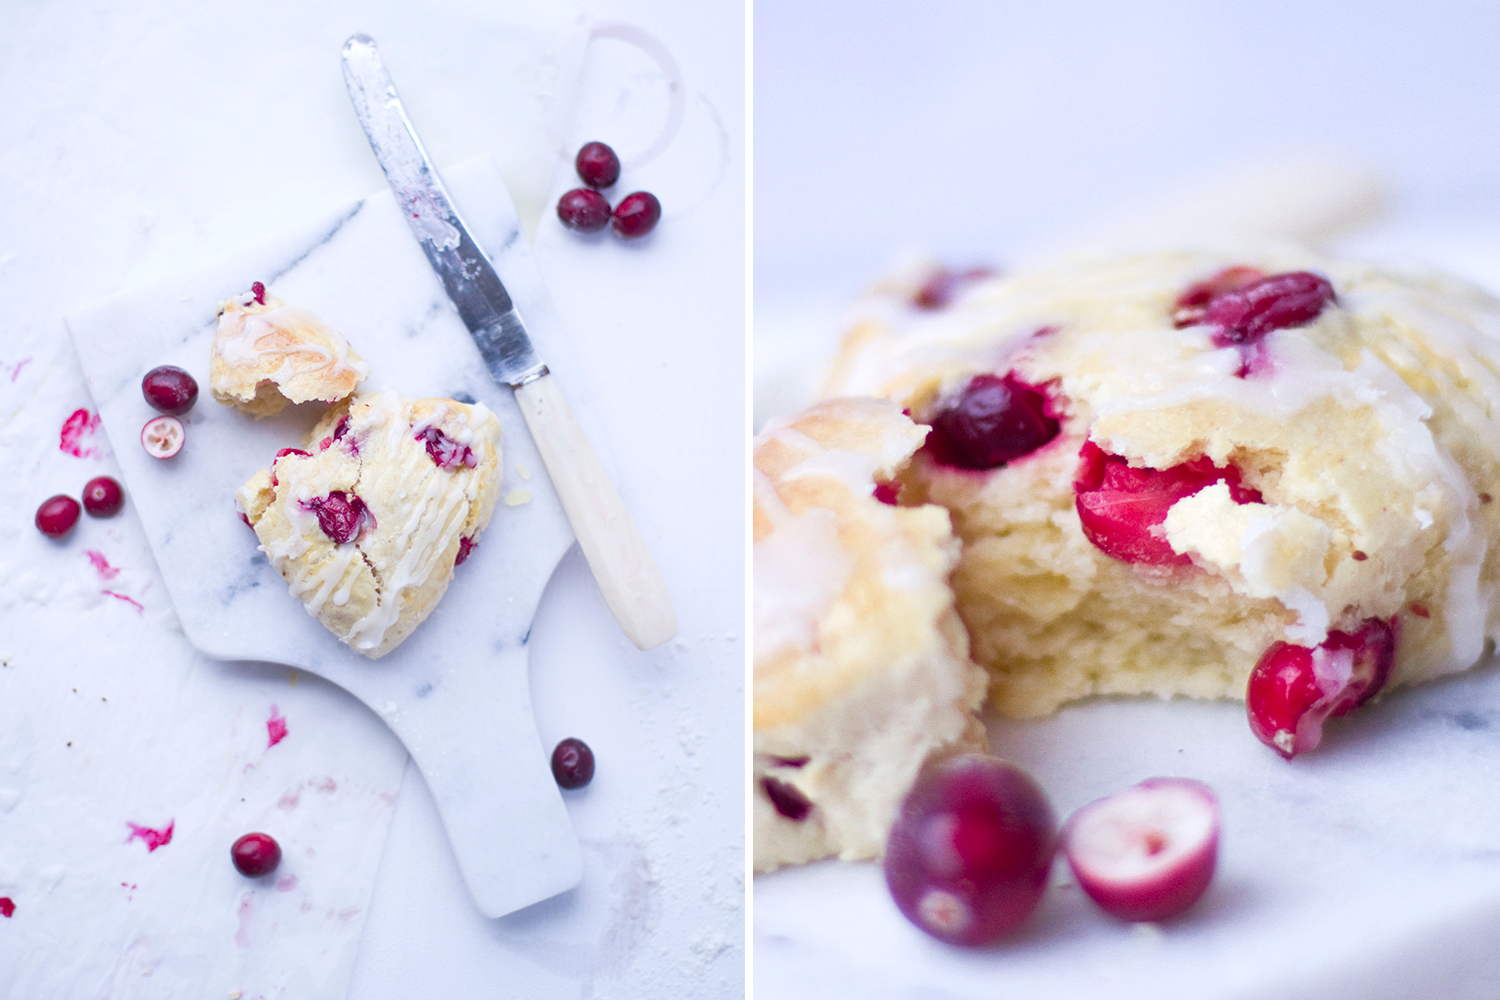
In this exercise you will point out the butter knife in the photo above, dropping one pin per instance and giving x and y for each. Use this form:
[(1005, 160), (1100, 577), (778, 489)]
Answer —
[(628, 577)]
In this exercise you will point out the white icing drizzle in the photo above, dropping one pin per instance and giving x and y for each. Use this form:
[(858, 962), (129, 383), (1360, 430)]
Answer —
[(240, 334)]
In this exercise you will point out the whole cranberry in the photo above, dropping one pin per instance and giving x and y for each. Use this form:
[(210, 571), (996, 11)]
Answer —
[(993, 420), (636, 215), (786, 798), (1278, 302), (597, 164), (256, 854), (583, 210), (341, 515), (103, 497), (170, 390), (573, 763), (57, 515), (969, 853)]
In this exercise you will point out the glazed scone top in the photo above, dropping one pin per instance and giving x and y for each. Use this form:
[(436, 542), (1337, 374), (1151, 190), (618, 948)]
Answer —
[(843, 584), (1372, 432), (267, 354)]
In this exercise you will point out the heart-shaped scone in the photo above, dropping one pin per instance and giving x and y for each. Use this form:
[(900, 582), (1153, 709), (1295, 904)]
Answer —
[(267, 354), (367, 522)]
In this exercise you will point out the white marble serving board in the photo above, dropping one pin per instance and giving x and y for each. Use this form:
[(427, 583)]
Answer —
[(456, 691)]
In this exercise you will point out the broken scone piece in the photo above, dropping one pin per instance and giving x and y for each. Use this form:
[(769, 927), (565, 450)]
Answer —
[(862, 666), (267, 354), (367, 522)]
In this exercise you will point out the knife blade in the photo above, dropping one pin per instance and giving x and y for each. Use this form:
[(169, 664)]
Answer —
[(628, 577)]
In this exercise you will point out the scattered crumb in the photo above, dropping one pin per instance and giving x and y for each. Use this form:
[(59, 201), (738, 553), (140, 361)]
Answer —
[(522, 471), (517, 497), (292, 677), (1147, 932)]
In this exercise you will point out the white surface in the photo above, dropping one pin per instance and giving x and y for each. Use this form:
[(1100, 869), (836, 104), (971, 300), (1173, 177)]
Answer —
[(980, 132), (171, 132)]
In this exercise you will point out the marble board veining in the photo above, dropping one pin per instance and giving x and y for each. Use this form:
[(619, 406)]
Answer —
[(456, 691)]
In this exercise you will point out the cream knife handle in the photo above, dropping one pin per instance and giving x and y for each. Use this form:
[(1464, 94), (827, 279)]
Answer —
[(628, 578)]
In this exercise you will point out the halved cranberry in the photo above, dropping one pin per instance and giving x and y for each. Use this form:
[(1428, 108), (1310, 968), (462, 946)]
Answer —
[(1278, 302), (341, 515), (583, 210), (942, 285), (1121, 508), (597, 164), (788, 799), (170, 390), (636, 215), (103, 497), (255, 854), (1193, 303), (572, 763), (162, 437), (57, 515), (1294, 689), (993, 420), (445, 452)]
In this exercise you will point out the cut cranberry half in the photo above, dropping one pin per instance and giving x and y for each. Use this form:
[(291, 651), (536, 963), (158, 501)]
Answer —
[(57, 515), (446, 453), (162, 437), (341, 515), (597, 165), (994, 419), (583, 210), (1193, 303), (1121, 508), (943, 285), (1279, 302), (1293, 690), (256, 854), (787, 799), (170, 390), (572, 763), (1149, 852), (636, 215), (969, 852), (103, 497)]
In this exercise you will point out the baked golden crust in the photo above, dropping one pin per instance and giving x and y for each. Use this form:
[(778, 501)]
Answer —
[(267, 354)]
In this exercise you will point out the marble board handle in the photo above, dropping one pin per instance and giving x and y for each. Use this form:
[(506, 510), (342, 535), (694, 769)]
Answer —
[(628, 577)]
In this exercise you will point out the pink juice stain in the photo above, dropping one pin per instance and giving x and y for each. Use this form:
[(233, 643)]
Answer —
[(151, 838), (286, 883), (275, 728), (128, 600), (15, 372), (101, 564), (82, 423), (7, 906), (242, 936)]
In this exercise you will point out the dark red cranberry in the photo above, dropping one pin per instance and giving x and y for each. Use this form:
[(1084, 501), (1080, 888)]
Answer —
[(57, 515), (888, 491), (256, 854), (970, 850), (465, 546), (1294, 689), (103, 497), (573, 763), (583, 210), (246, 518), (7, 906), (1193, 303), (341, 515), (993, 420), (170, 390), (445, 452), (259, 291), (1122, 508), (597, 164), (942, 285), (1279, 302), (636, 215), (788, 800)]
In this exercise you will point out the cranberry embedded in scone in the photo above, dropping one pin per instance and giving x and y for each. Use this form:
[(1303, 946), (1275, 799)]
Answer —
[(993, 420)]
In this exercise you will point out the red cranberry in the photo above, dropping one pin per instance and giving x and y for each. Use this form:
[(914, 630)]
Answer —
[(1193, 303), (583, 210), (162, 437), (969, 853), (256, 854), (280, 455), (888, 492), (170, 390), (636, 215), (446, 453), (258, 290), (1149, 852), (7, 906), (943, 285), (341, 515), (465, 546), (573, 763), (993, 420), (1279, 302), (788, 799), (597, 164), (1121, 508), (103, 497), (57, 515), (1293, 689)]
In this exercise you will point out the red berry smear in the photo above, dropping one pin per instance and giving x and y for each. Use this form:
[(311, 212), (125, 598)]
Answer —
[(994, 419), (1294, 689), (341, 515), (969, 853), (788, 800), (573, 763), (1149, 852), (636, 215), (1121, 508), (7, 906), (103, 497), (170, 390), (597, 164), (57, 516), (583, 210), (256, 854)]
